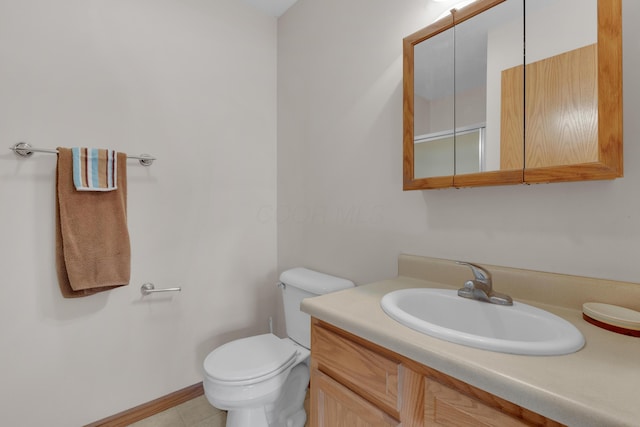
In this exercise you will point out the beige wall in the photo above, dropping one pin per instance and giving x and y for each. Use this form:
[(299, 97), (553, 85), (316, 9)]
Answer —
[(191, 82), (340, 163), (182, 80)]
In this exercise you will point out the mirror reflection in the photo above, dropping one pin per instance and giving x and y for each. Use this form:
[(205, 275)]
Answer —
[(434, 154), (433, 106), (561, 88)]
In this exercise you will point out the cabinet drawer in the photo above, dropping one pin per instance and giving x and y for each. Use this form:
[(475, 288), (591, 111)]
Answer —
[(370, 374), (445, 406)]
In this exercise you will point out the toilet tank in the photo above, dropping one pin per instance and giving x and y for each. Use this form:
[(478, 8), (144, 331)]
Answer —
[(299, 283)]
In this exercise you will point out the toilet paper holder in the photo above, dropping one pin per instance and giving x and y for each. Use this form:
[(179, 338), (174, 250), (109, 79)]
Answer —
[(149, 288)]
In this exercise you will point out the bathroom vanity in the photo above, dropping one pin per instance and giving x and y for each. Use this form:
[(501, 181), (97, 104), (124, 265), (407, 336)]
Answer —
[(368, 369), (357, 382)]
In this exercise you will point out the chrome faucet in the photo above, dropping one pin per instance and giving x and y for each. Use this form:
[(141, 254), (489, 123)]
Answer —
[(480, 288)]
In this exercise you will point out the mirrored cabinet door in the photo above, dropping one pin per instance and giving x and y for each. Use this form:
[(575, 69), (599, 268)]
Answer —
[(487, 44), (561, 94), (573, 90), (433, 105), (428, 118)]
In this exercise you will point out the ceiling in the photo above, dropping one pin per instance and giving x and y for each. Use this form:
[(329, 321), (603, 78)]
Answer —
[(271, 7)]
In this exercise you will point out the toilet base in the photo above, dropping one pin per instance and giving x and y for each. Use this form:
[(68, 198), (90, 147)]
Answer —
[(286, 411), (254, 417)]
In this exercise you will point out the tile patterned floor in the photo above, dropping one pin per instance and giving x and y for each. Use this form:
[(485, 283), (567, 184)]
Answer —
[(194, 413)]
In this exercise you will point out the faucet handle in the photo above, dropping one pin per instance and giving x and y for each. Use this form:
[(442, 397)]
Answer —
[(479, 273)]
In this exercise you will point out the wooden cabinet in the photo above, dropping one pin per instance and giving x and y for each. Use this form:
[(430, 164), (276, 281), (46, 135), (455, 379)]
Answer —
[(355, 383), (566, 94)]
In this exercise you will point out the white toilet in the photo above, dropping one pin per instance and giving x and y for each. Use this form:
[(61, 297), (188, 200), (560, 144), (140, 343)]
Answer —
[(262, 380)]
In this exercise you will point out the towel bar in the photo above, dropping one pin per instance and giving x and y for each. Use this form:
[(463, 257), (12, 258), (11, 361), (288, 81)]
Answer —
[(149, 288), (26, 150)]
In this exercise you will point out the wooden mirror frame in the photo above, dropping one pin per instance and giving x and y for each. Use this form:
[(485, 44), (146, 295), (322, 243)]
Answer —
[(610, 131)]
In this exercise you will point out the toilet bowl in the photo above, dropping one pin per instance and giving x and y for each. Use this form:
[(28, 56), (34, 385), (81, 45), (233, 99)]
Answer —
[(247, 376), (261, 381)]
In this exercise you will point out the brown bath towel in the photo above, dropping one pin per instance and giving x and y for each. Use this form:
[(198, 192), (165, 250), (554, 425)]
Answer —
[(93, 253)]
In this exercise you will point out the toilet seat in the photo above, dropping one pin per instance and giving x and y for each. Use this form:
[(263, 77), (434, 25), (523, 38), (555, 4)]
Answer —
[(250, 360)]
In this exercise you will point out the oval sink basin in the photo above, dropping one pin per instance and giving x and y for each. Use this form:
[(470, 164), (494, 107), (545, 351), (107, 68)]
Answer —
[(516, 329)]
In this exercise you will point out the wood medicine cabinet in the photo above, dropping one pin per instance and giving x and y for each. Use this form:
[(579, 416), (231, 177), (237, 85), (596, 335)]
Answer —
[(481, 107)]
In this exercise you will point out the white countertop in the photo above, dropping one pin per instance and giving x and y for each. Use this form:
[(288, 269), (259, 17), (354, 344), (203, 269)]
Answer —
[(596, 386)]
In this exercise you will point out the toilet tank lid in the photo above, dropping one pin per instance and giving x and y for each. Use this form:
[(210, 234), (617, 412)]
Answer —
[(313, 281)]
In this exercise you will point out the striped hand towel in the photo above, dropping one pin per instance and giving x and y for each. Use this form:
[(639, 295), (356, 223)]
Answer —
[(94, 169)]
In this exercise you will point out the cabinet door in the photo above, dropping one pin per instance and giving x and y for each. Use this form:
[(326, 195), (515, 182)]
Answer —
[(359, 368), (333, 405), (445, 406), (573, 95)]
